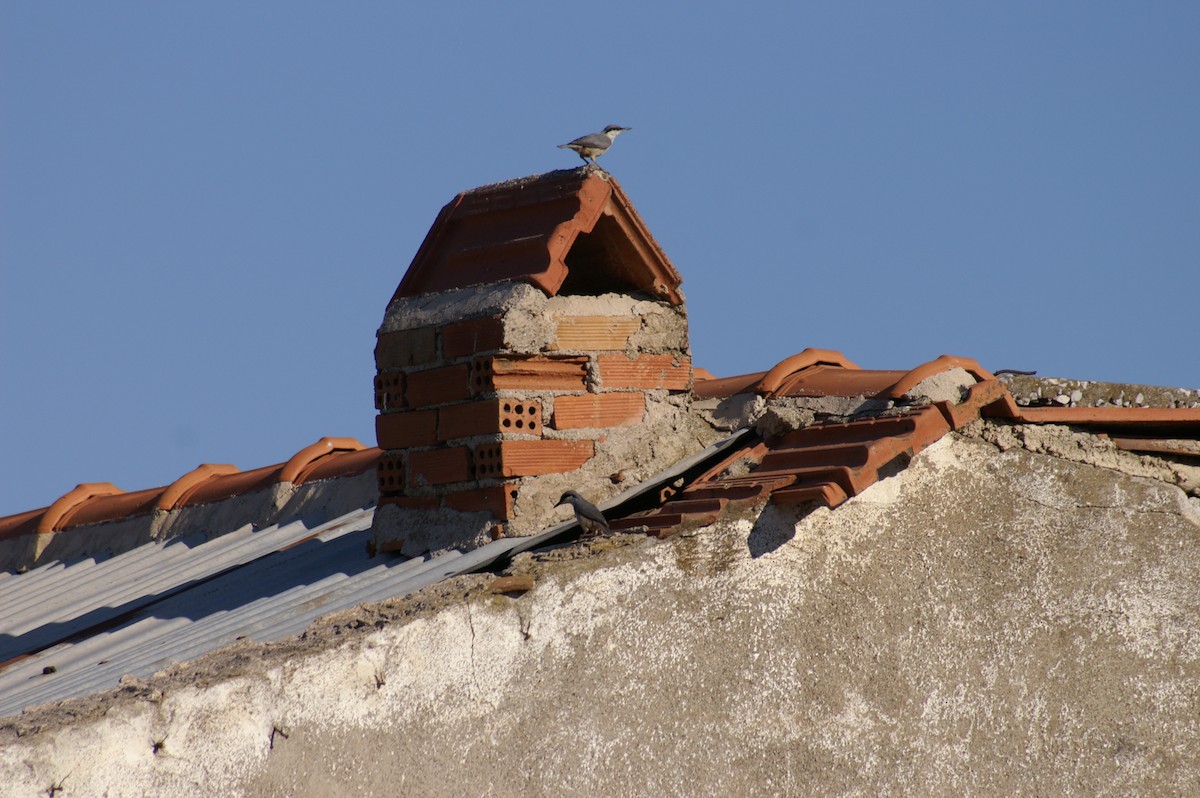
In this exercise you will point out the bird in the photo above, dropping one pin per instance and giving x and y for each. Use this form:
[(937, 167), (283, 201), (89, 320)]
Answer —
[(590, 519), (593, 145)]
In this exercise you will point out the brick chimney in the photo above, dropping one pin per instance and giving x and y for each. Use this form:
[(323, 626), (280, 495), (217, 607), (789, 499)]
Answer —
[(538, 342)]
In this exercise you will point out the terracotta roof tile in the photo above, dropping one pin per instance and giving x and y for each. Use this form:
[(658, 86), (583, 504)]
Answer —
[(99, 502), (570, 231), (58, 514)]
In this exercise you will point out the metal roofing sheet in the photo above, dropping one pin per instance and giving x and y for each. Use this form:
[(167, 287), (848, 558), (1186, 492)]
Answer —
[(72, 629)]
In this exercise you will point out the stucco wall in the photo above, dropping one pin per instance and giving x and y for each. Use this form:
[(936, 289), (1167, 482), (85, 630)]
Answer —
[(984, 623)]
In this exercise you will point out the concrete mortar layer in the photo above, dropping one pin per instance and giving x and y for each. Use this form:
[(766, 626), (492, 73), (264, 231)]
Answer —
[(1081, 447), (1030, 390), (409, 313), (985, 623), (530, 317)]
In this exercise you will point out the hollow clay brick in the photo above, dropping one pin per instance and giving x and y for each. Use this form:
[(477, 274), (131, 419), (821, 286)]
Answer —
[(593, 333), (531, 458), (470, 337), (438, 386), (646, 371), (598, 410), (498, 373), (389, 473), (497, 500), (404, 348), (439, 466), (406, 429), (489, 417), (389, 390)]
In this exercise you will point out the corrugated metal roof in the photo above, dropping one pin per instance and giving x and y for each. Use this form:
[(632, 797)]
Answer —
[(93, 621)]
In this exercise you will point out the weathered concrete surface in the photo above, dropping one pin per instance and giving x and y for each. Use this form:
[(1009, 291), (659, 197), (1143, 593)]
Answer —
[(1030, 390), (985, 623)]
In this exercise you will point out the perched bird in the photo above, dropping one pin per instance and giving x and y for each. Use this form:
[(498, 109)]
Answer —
[(590, 519), (593, 145)]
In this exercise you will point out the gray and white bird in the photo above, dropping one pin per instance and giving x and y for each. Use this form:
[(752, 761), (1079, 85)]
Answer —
[(593, 145), (590, 519)]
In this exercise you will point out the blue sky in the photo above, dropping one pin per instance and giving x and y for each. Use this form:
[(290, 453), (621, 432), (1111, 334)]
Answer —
[(204, 207)]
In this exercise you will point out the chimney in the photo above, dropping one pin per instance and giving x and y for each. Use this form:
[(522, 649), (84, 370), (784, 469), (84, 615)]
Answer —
[(538, 342)]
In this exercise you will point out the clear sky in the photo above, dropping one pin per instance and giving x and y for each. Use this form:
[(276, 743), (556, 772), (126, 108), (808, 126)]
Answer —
[(205, 206)]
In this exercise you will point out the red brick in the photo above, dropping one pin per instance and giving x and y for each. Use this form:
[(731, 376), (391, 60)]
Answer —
[(389, 472), (389, 390), (498, 373), (497, 500), (645, 371), (531, 458), (598, 410), (593, 333), (439, 466), (490, 417), (470, 337), (404, 348), (406, 429), (438, 386)]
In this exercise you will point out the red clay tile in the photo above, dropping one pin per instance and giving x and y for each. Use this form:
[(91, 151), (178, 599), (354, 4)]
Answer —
[(178, 491), (497, 500), (389, 391), (342, 464), (489, 417), (724, 387), (823, 380), (598, 410), (303, 461), (58, 514), (1113, 417), (404, 348), (645, 371), (986, 394), (226, 486), (439, 466), (471, 337), (530, 458), (1154, 446), (502, 373), (389, 473), (937, 366), (827, 493), (112, 508), (438, 386), (570, 231), (26, 523), (406, 429), (774, 379), (595, 333)]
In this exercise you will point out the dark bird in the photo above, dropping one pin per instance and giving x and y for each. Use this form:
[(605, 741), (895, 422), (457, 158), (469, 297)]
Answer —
[(590, 519), (593, 145)]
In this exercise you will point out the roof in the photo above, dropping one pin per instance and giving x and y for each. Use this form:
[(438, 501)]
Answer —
[(571, 231), (74, 627), (97, 502), (103, 602)]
